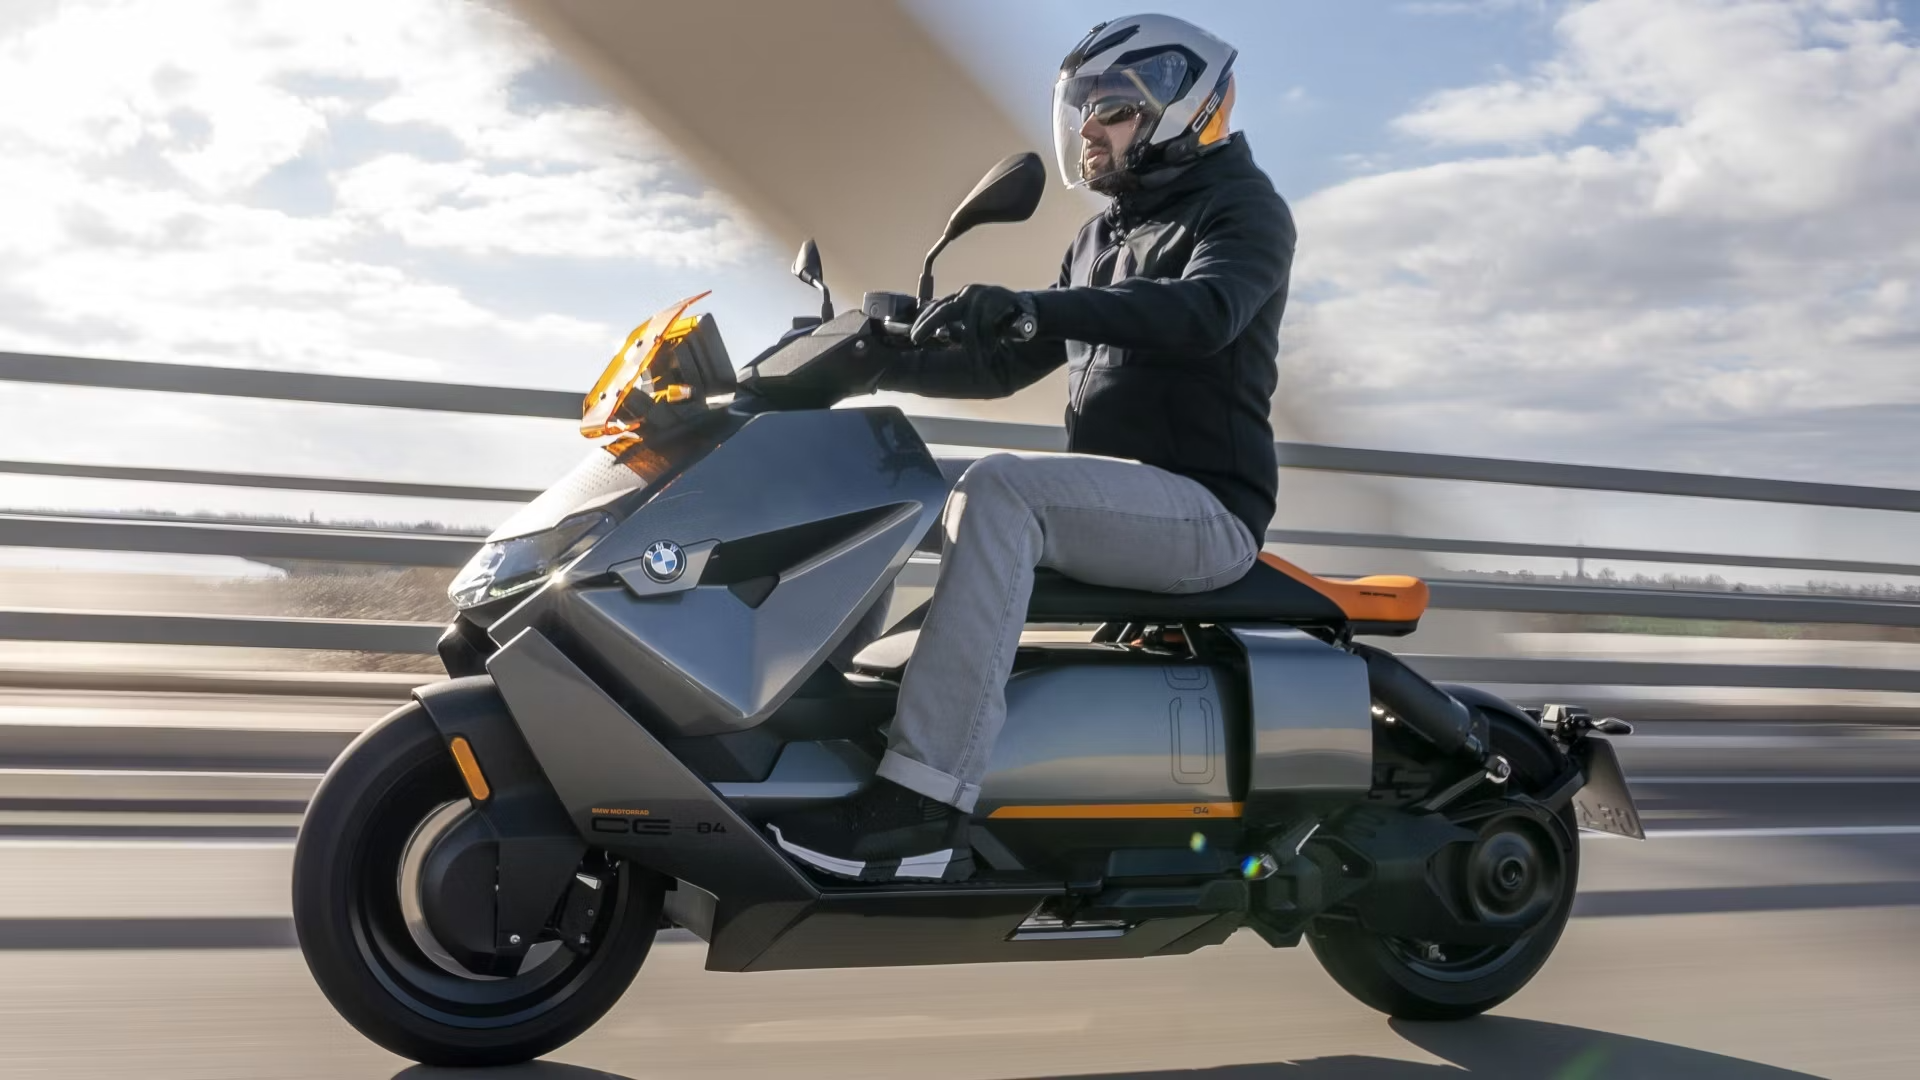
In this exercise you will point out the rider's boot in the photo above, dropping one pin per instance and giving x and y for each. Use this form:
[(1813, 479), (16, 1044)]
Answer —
[(885, 833)]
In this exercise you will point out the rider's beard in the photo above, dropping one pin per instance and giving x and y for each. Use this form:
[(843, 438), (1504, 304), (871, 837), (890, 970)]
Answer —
[(1088, 169), (1110, 178)]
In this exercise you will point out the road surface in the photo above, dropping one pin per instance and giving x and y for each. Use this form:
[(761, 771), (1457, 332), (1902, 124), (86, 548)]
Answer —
[(1768, 930)]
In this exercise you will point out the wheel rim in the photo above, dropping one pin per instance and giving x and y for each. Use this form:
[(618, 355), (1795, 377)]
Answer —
[(1493, 889), (399, 950), (412, 888), (1514, 875)]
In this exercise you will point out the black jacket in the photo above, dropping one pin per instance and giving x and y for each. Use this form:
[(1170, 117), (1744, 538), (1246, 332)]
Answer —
[(1167, 315)]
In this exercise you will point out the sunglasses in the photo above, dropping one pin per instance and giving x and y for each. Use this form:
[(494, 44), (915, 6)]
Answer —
[(1110, 112)]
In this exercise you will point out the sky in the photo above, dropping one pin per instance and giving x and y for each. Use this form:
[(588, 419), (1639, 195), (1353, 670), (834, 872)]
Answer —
[(1678, 234)]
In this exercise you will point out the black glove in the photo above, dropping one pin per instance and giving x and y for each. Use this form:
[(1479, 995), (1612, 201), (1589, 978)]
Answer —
[(977, 318)]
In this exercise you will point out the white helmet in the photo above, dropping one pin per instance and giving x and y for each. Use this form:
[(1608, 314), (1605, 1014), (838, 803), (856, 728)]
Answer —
[(1176, 77)]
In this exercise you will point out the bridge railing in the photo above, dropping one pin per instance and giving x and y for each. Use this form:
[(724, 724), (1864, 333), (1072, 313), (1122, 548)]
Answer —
[(332, 544)]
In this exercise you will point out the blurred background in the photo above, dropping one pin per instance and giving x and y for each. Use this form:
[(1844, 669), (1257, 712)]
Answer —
[(1606, 318)]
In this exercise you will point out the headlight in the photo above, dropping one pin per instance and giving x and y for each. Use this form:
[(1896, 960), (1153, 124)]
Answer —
[(506, 567)]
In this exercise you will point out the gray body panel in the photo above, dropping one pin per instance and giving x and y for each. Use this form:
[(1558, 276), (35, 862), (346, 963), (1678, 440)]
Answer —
[(1311, 712), (628, 794), (703, 659), (621, 788), (806, 772), (1092, 725), (667, 820), (1110, 732)]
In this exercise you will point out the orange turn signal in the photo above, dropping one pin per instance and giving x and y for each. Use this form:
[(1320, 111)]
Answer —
[(469, 768)]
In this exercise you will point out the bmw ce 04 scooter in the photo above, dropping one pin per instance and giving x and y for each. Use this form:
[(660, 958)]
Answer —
[(640, 677)]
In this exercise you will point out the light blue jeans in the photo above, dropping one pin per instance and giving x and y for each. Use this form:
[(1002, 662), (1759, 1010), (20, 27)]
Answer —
[(1098, 520)]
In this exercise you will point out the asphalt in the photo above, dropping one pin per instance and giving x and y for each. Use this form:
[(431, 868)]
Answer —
[(1767, 929)]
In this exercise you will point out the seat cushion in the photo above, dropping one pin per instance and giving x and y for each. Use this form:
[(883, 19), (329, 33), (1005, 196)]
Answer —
[(1385, 599), (1264, 595), (1274, 590)]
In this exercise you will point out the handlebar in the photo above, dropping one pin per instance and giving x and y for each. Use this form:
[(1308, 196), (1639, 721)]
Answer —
[(814, 367), (1021, 329)]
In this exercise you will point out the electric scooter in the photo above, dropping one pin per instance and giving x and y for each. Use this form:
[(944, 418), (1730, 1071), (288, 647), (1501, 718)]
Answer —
[(639, 677)]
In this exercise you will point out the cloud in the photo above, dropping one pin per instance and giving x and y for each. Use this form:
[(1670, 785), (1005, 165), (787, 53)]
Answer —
[(1298, 99), (144, 143), (1744, 249), (466, 207), (356, 187), (1507, 112)]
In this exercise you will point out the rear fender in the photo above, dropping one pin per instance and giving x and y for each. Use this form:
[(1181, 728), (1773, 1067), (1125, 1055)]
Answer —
[(1474, 697), (1590, 778), (539, 849)]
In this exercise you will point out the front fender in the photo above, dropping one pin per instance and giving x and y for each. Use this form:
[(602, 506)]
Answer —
[(472, 707), (539, 848)]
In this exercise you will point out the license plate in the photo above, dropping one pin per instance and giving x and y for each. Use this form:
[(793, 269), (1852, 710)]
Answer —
[(1604, 804)]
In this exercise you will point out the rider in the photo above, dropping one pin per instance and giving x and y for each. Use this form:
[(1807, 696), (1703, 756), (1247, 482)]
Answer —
[(1167, 315)]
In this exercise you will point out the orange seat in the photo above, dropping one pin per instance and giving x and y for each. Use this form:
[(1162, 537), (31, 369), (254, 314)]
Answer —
[(1381, 599)]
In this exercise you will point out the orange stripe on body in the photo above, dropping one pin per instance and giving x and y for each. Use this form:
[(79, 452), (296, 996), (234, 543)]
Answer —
[(1121, 810)]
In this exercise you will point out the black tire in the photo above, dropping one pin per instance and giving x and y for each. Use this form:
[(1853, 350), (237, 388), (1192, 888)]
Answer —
[(1387, 975), (346, 915)]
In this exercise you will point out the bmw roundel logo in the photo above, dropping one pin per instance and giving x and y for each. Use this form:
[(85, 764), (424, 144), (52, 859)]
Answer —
[(663, 561)]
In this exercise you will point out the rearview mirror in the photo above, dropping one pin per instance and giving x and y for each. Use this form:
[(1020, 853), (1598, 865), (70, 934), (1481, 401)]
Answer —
[(806, 267), (1009, 192)]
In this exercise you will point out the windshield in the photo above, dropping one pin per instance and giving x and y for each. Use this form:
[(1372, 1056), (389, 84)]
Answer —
[(612, 407)]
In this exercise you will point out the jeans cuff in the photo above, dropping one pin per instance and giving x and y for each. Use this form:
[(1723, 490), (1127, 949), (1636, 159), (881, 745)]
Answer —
[(929, 781)]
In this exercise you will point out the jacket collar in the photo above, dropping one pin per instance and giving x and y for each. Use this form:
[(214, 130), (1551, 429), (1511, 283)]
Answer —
[(1164, 187)]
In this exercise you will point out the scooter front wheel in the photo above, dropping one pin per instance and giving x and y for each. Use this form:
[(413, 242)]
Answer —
[(377, 963)]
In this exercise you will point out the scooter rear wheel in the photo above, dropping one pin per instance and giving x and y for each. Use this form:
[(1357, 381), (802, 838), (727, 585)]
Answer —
[(1431, 981), (378, 799)]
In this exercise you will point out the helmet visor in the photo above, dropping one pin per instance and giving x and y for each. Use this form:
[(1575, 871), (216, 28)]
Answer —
[(1098, 118)]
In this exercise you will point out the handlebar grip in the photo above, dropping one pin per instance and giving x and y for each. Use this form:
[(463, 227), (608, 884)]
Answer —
[(1022, 328)]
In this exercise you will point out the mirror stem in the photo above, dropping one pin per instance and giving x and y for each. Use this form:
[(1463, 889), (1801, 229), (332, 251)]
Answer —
[(826, 304), (926, 269)]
